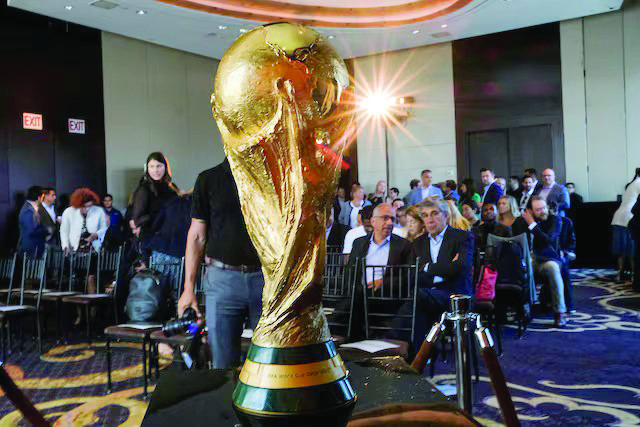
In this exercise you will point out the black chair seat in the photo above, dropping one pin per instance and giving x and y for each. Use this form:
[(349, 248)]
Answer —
[(88, 298), (123, 331)]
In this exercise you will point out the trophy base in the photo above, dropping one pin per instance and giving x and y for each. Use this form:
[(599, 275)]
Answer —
[(294, 386), (338, 417)]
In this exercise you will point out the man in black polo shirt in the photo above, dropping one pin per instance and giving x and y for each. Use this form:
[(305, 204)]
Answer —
[(233, 281)]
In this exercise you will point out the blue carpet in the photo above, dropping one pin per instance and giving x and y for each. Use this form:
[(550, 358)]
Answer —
[(587, 374)]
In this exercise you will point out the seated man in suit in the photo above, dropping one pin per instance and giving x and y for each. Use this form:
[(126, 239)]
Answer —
[(445, 259), (381, 247), (546, 230)]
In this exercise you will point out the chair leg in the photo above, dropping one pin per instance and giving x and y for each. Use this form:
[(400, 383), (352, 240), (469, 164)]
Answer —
[(2, 345), (108, 345), (9, 343), (499, 333), (21, 336), (86, 313), (144, 367), (39, 332), (157, 360)]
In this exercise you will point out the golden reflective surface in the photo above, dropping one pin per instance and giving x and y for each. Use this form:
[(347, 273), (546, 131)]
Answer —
[(283, 103)]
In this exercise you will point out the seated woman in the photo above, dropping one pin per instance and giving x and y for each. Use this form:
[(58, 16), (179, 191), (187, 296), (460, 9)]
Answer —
[(415, 225)]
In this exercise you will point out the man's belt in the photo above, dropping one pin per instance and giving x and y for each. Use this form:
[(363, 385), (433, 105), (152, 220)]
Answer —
[(242, 268)]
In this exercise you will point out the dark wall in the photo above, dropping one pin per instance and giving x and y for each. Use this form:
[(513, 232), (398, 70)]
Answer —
[(507, 81), (55, 69)]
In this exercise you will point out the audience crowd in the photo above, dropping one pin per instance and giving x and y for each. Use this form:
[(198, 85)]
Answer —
[(445, 226)]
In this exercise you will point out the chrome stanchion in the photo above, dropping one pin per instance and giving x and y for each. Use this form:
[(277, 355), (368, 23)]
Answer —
[(463, 321)]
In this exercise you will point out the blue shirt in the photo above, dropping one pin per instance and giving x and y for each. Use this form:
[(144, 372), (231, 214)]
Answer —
[(434, 246), (377, 255), (431, 191)]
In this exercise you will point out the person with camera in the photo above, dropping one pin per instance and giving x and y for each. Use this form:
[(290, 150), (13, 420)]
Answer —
[(233, 282)]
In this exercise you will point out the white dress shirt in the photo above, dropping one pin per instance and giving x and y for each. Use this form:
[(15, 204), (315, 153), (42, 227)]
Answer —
[(351, 236), (377, 255), (353, 220), (525, 199), (51, 211), (434, 248), (71, 227)]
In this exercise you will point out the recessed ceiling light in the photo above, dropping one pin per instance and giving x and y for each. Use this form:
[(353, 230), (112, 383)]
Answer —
[(68, 7), (416, 32), (443, 26), (222, 27), (332, 37), (141, 12), (242, 30)]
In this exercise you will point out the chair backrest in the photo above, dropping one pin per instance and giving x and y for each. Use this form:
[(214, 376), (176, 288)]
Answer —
[(79, 265), (172, 273), (7, 271), (33, 270), (108, 265), (338, 296), (393, 302), (55, 266), (334, 255), (523, 242)]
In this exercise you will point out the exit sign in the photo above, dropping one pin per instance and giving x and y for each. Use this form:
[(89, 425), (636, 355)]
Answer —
[(32, 121), (76, 126)]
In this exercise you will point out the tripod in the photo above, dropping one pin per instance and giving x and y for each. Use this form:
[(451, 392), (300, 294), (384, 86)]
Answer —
[(463, 321)]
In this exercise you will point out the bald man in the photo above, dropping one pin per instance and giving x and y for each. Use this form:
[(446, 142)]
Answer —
[(553, 192)]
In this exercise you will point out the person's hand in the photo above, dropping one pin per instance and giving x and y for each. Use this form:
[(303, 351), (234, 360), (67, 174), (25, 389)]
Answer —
[(527, 215), (188, 299), (67, 251), (91, 238), (376, 284), (455, 258)]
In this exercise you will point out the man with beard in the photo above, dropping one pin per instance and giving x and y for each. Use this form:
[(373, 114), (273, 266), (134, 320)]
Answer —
[(546, 230)]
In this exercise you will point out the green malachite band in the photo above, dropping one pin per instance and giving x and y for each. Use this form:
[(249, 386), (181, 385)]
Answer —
[(292, 355), (294, 401)]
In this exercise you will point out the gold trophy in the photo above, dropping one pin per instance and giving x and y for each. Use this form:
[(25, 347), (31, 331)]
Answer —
[(284, 104)]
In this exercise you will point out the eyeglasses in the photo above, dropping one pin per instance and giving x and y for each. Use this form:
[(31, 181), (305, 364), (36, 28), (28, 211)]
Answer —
[(386, 218)]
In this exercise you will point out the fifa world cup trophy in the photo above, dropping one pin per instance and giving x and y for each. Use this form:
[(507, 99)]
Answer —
[(283, 102)]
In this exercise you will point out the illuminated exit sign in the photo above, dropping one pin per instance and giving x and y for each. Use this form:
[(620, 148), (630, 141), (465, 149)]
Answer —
[(76, 126), (32, 121)]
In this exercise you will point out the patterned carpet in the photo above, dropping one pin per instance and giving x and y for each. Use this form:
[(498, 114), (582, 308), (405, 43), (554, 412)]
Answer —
[(587, 374)]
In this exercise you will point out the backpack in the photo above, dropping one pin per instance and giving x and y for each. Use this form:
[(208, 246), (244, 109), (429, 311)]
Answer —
[(486, 285), (511, 264), (147, 297)]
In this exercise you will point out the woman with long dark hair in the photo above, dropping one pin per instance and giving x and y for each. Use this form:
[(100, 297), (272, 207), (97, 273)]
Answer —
[(154, 191), (625, 228), (468, 191)]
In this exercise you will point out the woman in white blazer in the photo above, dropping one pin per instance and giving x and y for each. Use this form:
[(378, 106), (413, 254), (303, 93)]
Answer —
[(82, 230)]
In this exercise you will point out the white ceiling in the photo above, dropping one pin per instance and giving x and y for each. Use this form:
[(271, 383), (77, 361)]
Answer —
[(210, 35)]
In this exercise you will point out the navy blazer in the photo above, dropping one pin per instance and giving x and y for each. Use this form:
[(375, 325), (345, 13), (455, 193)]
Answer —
[(494, 192), (32, 233), (456, 275)]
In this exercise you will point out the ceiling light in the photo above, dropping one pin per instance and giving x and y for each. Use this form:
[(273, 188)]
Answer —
[(242, 30), (141, 12), (332, 37), (222, 27), (416, 32), (443, 26), (68, 7)]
